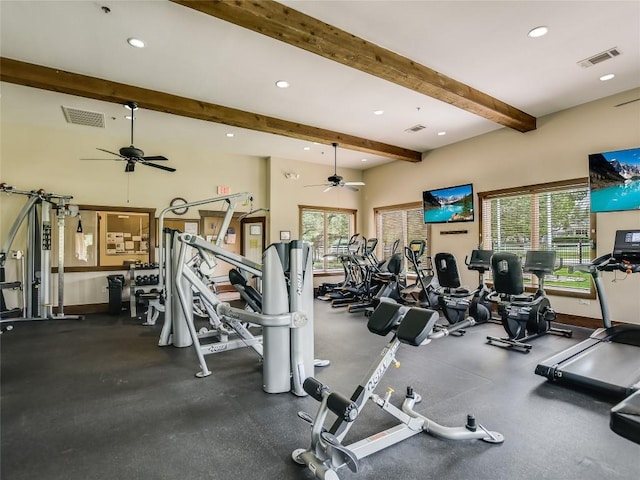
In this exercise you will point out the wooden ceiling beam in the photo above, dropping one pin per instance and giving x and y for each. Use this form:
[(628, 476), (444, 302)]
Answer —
[(31, 75), (295, 28)]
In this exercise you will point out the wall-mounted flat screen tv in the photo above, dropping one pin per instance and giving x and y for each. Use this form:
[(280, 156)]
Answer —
[(614, 180), (448, 205)]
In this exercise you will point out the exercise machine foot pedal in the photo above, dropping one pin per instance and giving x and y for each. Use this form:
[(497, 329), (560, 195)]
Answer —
[(306, 417)]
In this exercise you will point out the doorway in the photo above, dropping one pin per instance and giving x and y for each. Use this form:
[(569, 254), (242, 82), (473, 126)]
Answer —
[(253, 238)]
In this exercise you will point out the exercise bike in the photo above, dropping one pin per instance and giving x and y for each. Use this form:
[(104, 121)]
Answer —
[(453, 298), (457, 302), (480, 308), (524, 317), (327, 453)]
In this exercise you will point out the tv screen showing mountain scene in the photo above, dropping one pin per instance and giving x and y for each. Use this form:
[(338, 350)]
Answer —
[(614, 180), (448, 205)]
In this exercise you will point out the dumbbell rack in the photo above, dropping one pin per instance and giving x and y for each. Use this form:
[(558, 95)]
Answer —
[(142, 278)]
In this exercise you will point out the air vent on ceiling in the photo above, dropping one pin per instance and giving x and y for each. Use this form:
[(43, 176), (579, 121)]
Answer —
[(599, 58), (415, 128), (83, 117)]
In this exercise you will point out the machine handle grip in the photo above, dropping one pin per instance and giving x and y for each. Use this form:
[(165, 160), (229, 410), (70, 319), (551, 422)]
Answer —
[(314, 388), (342, 407)]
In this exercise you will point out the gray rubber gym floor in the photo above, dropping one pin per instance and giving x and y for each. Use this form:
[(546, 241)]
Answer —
[(99, 400)]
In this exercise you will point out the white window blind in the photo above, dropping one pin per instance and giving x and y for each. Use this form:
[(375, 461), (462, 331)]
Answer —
[(542, 217), (399, 223)]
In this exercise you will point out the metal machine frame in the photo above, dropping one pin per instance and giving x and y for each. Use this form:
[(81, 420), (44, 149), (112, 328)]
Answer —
[(36, 283), (286, 318)]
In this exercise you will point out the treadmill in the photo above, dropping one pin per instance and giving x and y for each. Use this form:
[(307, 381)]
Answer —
[(609, 360)]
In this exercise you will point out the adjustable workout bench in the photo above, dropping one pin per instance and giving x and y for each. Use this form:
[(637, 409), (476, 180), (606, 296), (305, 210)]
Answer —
[(412, 326)]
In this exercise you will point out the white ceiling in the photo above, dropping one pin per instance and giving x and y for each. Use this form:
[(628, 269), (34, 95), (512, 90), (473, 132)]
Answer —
[(481, 43)]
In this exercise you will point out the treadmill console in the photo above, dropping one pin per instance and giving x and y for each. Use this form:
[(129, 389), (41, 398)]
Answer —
[(627, 246)]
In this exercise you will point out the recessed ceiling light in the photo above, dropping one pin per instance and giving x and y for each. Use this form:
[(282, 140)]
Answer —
[(363, 159), (441, 133), (606, 77), (135, 42), (128, 117), (538, 32), (231, 135), (378, 112), (307, 148), (282, 84)]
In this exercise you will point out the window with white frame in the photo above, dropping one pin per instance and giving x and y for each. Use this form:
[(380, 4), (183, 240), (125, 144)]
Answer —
[(328, 230), (551, 216)]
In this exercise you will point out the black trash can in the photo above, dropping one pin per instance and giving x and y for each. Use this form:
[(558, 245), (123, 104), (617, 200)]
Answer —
[(116, 285)]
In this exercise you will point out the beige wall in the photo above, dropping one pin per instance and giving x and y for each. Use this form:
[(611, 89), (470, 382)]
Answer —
[(42, 157), (557, 150), (33, 157), (286, 195)]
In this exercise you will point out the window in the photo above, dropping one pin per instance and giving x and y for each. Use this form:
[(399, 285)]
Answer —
[(328, 231), (402, 223), (543, 217)]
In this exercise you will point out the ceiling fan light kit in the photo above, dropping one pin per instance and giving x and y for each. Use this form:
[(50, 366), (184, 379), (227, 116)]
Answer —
[(336, 180)]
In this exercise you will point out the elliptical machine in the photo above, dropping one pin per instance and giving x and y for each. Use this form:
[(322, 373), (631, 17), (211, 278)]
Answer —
[(424, 292), (524, 316)]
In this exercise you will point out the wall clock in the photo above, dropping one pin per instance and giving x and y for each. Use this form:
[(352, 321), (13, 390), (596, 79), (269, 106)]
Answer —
[(176, 202)]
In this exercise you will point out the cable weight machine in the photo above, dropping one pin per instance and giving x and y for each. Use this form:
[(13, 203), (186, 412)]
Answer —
[(35, 283)]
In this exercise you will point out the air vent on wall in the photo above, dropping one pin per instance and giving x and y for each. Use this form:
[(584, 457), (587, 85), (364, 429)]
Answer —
[(415, 128), (83, 117), (600, 57)]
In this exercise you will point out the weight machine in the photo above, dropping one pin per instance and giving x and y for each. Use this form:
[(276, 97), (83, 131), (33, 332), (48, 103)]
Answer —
[(174, 330), (287, 311), (35, 284)]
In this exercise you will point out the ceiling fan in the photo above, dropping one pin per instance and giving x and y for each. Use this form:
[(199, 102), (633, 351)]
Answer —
[(133, 155), (336, 180)]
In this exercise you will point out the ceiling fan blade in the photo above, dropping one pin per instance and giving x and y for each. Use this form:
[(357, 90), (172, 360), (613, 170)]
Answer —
[(327, 189), (103, 159), (354, 183), (348, 187), (156, 158), (112, 153), (320, 185), (130, 167), (161, 167)]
